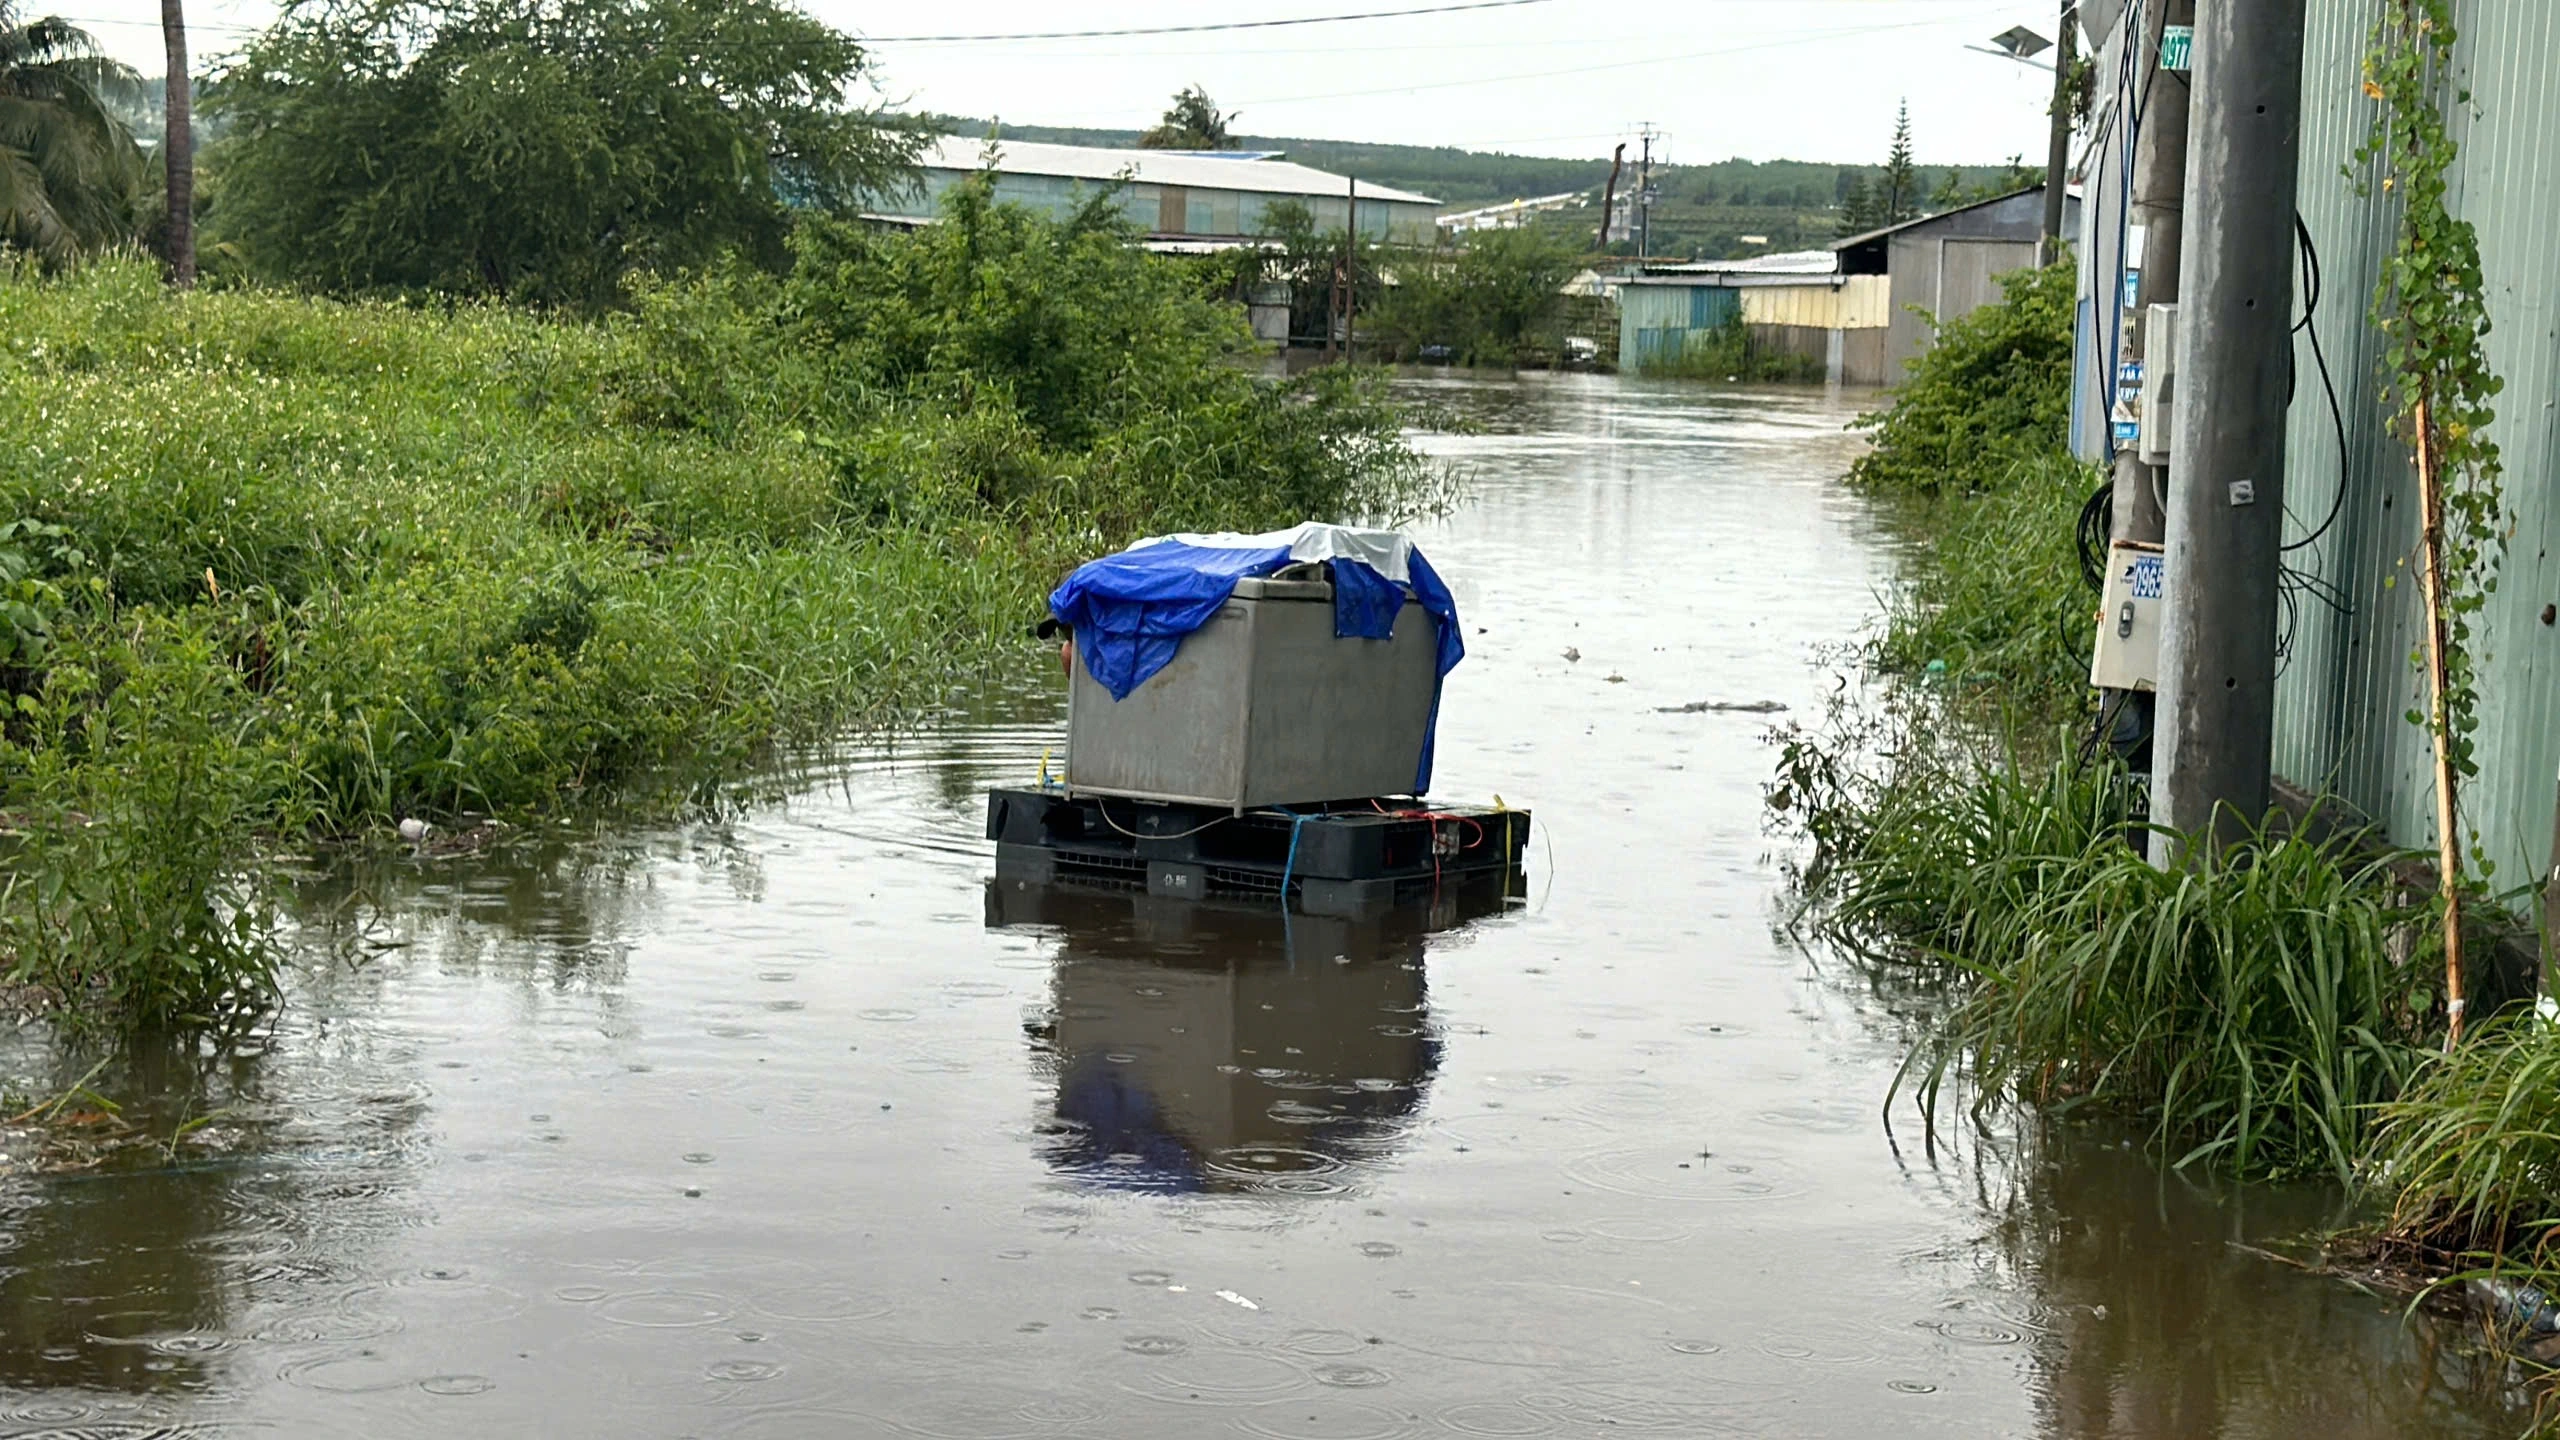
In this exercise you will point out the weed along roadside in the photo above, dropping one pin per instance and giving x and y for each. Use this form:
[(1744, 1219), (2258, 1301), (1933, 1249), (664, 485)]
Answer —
[(2318, 990), (2246, 1013), (290, 571)]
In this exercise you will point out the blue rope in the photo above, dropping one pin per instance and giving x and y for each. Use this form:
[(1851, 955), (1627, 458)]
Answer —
[(1288, 867)]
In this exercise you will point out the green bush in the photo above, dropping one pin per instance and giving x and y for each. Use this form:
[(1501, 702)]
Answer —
[(1991, 592), (35, 560), (277, 566), (1497, 300), (538, 150), (1990, 400), (1728, 352), (1970, 458), (135, 799), (2248, 1008)]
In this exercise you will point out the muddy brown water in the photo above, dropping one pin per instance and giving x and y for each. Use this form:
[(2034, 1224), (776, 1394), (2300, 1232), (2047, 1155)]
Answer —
[(795, 1124)]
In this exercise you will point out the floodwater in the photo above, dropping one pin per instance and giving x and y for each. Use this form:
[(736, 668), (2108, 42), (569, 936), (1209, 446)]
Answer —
[(795, 1124)]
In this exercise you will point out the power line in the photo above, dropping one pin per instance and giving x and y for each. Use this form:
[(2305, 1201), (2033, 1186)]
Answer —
[(192, 26), (1198, 29), (1025, 35), (1206, 28), (1808, 37)]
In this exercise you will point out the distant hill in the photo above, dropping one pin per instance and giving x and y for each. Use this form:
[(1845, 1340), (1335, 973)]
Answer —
[(1703, 211)]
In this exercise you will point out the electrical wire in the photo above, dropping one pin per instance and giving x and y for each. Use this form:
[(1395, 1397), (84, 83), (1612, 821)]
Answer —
[(2293, 583), (2311, 288), (2128, 128), (1007, 37), (1199, 29), (2110, 710), (1104, 811), (1804, 38), (2097, 522)]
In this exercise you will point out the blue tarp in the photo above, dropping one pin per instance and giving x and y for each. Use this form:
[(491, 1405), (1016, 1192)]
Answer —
[(1130, 611)]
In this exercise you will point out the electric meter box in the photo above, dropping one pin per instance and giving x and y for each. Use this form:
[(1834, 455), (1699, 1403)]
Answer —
[(2159, 424), (2128, 654)]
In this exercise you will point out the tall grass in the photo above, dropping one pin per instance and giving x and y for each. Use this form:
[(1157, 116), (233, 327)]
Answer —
[(1991, 591), (1969, 467), (2250, 1008), (2470, 1156), (279, 566)]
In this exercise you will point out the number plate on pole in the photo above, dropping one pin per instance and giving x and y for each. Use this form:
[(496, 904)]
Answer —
[(2177, 47)]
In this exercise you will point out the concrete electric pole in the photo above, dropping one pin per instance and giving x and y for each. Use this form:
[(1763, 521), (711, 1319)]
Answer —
[(2057, 156), (1644, 197), (2226, 512), (2159, 192), (1350, 261)]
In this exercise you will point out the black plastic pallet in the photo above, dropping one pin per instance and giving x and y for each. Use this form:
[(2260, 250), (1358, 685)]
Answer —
[(1340, 860)]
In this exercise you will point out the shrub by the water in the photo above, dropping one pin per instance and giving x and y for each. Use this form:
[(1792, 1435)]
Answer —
[(1969, 462), (1497, 301), (1728, 352), (1991, 590), (278, 565), (2249, 1008), (1990, 396), (2470, 1156)]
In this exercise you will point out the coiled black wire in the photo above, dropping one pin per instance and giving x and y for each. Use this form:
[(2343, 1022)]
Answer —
[(2096, 524)]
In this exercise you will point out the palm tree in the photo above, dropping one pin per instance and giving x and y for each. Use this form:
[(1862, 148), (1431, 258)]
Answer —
[(69, 171), (178, 146)]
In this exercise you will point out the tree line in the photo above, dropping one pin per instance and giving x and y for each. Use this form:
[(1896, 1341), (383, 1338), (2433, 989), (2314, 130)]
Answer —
[(535, 150), (545, 150), (1900, 191)]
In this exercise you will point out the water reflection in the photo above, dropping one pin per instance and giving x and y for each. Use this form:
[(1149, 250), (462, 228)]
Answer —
[(2161, 1314), (148, 1241), (1206, 1047)]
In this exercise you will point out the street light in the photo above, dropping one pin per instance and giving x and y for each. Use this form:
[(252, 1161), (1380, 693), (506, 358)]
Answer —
[(2020, 44)]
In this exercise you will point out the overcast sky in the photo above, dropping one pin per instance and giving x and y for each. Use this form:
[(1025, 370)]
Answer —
[(1762, 79)]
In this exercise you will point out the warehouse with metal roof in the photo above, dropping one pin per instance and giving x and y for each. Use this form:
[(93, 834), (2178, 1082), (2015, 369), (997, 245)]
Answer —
[(1181, 199)]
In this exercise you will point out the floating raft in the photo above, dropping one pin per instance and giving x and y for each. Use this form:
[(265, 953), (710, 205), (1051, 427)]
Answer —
[(1347, 860)]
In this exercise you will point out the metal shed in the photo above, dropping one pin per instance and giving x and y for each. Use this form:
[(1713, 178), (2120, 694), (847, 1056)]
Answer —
[(1169, 194), (1657, 313), (1946, 266), (1793, 304)]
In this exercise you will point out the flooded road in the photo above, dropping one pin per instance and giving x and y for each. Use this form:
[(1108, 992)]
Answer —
[(801, 1125)]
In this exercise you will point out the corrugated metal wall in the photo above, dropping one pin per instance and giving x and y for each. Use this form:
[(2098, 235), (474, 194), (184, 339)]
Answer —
[(1856, 302), (1655, 321), (2348, 684)]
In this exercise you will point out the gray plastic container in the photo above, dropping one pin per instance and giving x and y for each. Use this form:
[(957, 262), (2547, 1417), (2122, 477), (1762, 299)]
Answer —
[(1263, 706)]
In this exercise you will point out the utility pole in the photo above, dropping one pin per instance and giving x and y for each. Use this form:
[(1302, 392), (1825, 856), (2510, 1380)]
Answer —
[(1609, 194), (2057, 155), (1644, 197), (2226, 515), (2159, 192), (1350, 264)]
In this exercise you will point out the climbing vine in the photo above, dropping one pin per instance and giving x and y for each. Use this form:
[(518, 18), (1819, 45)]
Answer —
[(2433, 319)]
